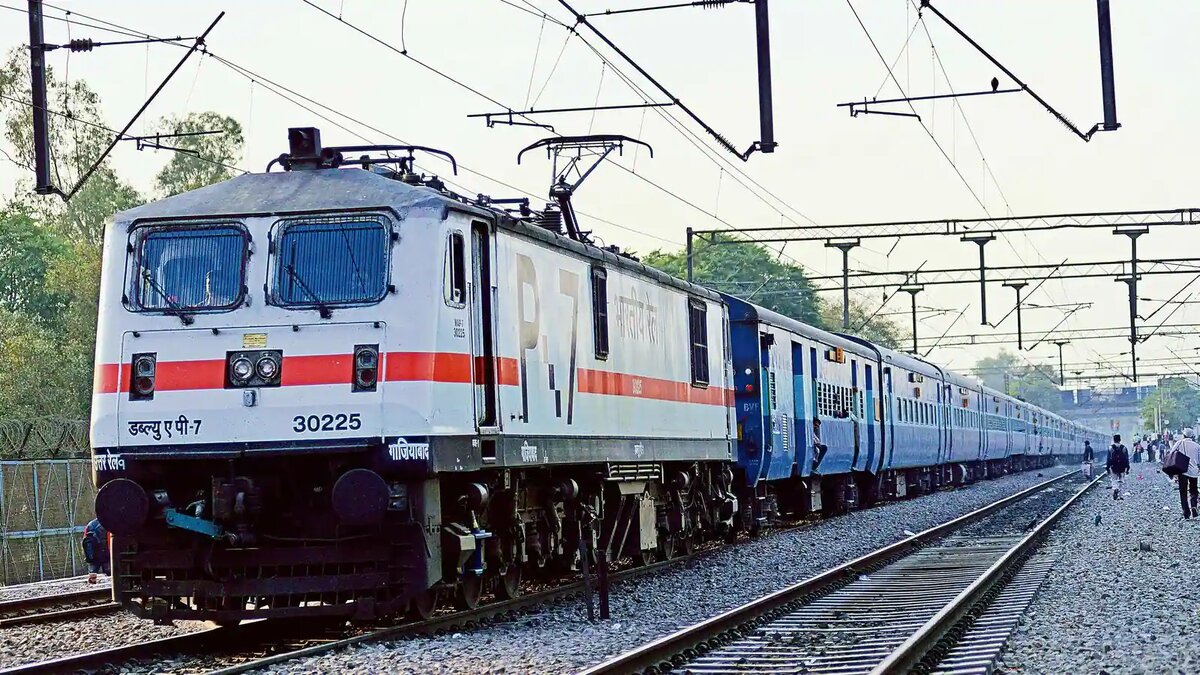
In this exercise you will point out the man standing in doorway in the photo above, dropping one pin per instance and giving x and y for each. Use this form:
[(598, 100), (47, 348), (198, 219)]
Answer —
[(1117, 465)]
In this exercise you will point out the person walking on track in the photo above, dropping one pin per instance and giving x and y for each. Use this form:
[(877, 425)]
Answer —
[(1117, 465), (1089, 456), (1188, 447)]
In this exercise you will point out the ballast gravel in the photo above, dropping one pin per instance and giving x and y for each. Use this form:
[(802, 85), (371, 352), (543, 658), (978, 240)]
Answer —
[(43, 641), (1123, 596), (559, 639)]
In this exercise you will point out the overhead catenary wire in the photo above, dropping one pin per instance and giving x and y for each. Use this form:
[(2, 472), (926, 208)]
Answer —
[(274, 87)]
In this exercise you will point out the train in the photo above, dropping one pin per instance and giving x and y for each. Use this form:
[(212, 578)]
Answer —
[(339, 389)]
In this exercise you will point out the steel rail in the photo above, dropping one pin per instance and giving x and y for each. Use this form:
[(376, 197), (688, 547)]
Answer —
[(662, 652), (69, 613), (22, 606), (923, 642)]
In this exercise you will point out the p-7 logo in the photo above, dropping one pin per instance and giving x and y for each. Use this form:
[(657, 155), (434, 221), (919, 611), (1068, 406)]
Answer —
[(529, 317)]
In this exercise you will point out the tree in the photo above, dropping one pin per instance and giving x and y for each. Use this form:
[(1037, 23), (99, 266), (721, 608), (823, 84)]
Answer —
[(1033, 384), (27, 251), (50, 250), (747, 271), (1175, 400), (209, 154), (78, 136), (878, 330)]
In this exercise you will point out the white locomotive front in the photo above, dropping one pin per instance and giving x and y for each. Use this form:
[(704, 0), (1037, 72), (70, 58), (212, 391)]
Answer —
[(339, 391)]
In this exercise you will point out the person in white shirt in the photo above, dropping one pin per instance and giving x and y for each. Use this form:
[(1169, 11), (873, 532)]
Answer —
[(1187, 480)]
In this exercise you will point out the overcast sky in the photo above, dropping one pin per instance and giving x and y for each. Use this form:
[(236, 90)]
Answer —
[(829, 167)]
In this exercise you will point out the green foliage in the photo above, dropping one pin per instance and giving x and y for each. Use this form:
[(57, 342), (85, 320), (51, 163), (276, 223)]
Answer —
[(750, 271), (1033, 384), (27, 250), (50, 250), (1175, 404), (880, 331), (77, 138), (187, 171)]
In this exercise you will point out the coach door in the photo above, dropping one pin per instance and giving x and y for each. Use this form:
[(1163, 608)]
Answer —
[(483, 331)]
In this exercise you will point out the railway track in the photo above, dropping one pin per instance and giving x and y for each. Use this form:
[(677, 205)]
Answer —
[(919, 604), (261, 644), (58, 607)]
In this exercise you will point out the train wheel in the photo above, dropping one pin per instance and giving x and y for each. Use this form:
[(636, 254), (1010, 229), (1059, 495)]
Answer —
[(425, 604), (667, 546), (644, 557), (687, 543), (470, 588), (508, 582)]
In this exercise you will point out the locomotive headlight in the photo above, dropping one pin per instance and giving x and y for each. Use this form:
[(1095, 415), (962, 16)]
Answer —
[(143, 366), (267, 368), (241, 369), (366, 367), (366, 358), (142, 371)]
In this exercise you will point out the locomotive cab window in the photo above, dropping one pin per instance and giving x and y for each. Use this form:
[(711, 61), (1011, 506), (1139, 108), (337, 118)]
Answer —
[(456, 270), (600, 311), (698, 337), (323, 262), (188, 268)]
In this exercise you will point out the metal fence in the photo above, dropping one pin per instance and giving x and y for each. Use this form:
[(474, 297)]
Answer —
[(44, 506)]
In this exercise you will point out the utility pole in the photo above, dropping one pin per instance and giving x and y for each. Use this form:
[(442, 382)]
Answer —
[(1133, 232), (1061, 376), (1017, 286), (41, 109), (912, 290), (982, 240), (690, 253), (844, 245)]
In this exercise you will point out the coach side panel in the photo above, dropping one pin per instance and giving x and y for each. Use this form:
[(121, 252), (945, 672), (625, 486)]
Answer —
[(612, 366)]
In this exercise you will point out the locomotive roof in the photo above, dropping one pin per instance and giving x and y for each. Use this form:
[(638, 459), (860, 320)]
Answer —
[(353, 189)]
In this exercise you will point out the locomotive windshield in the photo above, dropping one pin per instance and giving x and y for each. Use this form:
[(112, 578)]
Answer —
[(324, 262), (193, 268)]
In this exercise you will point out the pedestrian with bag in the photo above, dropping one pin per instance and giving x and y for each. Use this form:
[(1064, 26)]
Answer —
[(1183, 462), (1089, 457), (1117, 465)]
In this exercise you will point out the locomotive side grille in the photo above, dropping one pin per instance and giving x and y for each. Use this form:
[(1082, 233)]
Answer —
[(633, 471)]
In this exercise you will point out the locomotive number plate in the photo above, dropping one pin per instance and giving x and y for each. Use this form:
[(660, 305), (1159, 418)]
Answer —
[(328, 422)]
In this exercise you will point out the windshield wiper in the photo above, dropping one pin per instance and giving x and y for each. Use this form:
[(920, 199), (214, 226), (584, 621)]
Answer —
[(322, 308), (176, 309)]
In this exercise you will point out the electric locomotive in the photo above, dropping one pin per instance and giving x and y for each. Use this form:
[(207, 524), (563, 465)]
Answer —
[(341, 389), (336, 391)]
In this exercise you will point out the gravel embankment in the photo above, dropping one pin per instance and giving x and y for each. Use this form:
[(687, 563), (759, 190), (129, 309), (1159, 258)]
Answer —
[(559, 639), (42, 641), (53, 587), (1123, 596)]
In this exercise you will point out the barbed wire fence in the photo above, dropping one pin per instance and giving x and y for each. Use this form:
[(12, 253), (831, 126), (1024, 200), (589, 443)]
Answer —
[(46, 496)]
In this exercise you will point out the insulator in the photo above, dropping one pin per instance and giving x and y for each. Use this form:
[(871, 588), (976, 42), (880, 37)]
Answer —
[(81, 45), (550, 219), (713, 4)]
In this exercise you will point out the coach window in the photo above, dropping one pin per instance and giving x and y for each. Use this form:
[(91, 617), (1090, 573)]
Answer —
[(698, 335), (600, 312), (189, 268), (456, 270), (320, 262)]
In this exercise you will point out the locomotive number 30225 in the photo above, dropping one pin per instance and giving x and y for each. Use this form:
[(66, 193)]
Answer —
[(337, 422)]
